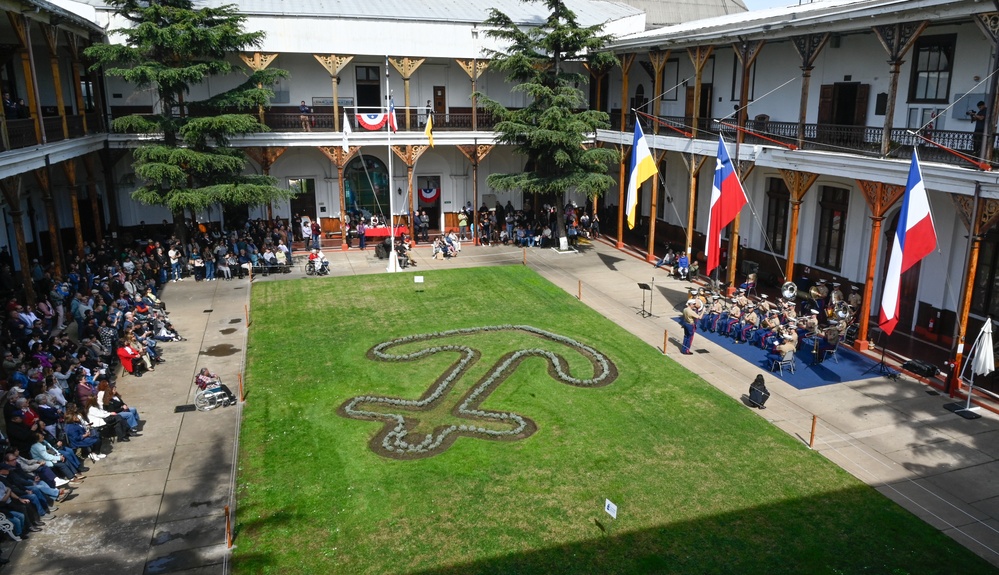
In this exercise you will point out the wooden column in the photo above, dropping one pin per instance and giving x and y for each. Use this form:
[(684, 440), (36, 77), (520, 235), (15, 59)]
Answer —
[(988, 22), (339, 158), (747, 51), (880, 198), (13, 195), (597, 75), (51, 34), (658, 60), (95, 206), (798, 184), (20, 25), (474, 68), (626, 60), (257, 62), (978, 221), (266, 156), (73, 42), (69, 167), (409, 154), (699, 57), (475, 154), (45, 184), (406, 66), (896, 39), (808, 47), (334, 65)]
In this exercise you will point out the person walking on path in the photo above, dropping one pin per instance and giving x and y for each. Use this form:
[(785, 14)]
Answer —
[(690, 317)]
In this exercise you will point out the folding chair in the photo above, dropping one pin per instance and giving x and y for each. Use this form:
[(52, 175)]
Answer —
[(786, 360), (832, 352)]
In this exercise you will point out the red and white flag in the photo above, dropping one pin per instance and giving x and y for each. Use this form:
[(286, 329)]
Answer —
[(727, 198), (915, 238)]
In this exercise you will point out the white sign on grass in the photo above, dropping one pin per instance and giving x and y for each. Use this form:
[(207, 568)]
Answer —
[(610, 508)]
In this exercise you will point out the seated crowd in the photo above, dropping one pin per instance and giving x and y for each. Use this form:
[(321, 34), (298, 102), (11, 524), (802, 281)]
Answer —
[(62, 407)]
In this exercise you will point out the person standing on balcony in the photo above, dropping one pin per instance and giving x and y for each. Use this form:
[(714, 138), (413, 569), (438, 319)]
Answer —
[(978, 117), (430, 111), (22, 109), (304, 112), (9, 107)]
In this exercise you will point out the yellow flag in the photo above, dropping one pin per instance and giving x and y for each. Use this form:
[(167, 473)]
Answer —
[(429, 130)]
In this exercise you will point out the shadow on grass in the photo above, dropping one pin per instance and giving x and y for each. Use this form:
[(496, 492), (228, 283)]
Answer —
[(848, 531)]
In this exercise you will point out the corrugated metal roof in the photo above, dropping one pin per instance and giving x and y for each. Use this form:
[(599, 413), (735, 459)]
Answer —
[(659, 13), (830, 15), (588, 12)]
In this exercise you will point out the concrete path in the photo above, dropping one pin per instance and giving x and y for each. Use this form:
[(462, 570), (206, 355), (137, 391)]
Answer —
[(156, 504)]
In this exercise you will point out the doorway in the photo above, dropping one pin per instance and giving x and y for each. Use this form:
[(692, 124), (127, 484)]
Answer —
[(304, 203), (429, 195), (703, 108), (843, 104), (369, 88)]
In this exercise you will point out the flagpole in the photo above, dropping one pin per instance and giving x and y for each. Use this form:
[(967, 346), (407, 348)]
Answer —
[(393, 263)]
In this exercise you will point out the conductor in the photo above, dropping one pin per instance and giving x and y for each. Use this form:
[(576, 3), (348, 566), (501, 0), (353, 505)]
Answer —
[(691, 313)]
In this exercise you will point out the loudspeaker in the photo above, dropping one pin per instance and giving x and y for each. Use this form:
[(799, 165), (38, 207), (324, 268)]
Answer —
[(920, 368)]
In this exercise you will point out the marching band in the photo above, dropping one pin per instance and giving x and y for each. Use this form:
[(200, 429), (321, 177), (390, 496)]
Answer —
[(777, 327)]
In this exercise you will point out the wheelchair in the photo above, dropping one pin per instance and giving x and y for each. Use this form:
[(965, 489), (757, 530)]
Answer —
[(211, 397), (310, 268)]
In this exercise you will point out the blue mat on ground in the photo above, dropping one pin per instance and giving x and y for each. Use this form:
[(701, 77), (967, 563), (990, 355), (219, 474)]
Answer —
[(852, 366)]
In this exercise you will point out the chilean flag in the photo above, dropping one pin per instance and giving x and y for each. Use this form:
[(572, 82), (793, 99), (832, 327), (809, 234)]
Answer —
[(727, 198), (915, 238), (391, 117)]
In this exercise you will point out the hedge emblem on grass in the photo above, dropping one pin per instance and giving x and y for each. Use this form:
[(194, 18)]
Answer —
[(397, 438)]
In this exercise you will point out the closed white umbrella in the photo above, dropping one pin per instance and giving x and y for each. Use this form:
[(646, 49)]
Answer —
[(985, 361), (982, 363)]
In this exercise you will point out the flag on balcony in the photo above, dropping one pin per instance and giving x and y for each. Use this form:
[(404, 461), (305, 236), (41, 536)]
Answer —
[(371, 121), (429, 130), (393, 125), (641, 168), (727, 198), (915, 238), (346, 132)]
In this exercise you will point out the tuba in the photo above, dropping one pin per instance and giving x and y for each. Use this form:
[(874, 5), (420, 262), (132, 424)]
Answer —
[(842, 309), (789, 290)]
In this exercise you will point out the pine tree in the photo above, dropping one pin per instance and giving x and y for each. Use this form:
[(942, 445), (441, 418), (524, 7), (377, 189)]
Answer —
[(171, 46), (552, 130)]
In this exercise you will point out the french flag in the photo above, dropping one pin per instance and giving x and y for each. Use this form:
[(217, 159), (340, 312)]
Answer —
[(727, 198), (915, 238)]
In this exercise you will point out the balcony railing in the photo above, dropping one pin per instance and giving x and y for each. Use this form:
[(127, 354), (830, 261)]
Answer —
[(21, 133), (323, 121), (863, 140)]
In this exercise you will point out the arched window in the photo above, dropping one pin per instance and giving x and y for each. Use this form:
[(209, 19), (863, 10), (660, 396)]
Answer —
[(366, 187)]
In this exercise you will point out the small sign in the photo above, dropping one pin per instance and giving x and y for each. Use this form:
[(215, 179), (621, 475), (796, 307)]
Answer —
[(418, 279), (328, 101), (610, 508)]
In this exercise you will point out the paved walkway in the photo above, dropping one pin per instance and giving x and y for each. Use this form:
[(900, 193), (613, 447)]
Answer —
[(156, 504)]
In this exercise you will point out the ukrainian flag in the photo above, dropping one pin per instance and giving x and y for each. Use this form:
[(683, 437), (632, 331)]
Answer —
[(642, 167)]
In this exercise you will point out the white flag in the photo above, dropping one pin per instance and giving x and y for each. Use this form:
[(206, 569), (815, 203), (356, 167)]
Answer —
[(346, 132)]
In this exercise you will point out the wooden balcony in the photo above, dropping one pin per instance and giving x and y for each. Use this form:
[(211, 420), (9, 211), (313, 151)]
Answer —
[(862, 140), (21, 133)]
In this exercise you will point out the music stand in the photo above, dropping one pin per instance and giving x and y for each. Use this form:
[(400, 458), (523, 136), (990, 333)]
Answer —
[(646, 288), (883, 367)]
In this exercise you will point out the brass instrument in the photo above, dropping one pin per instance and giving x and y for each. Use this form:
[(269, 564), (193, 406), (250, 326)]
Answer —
[(789, 290), (842, 309)]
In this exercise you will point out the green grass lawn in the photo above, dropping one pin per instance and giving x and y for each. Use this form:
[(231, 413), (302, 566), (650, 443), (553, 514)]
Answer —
[(702, 484)]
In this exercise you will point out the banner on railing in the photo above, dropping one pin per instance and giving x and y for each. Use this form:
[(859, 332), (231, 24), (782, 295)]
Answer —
[(372, 121)]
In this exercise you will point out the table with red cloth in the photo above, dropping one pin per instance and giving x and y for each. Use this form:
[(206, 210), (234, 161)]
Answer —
[(384, 232)]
